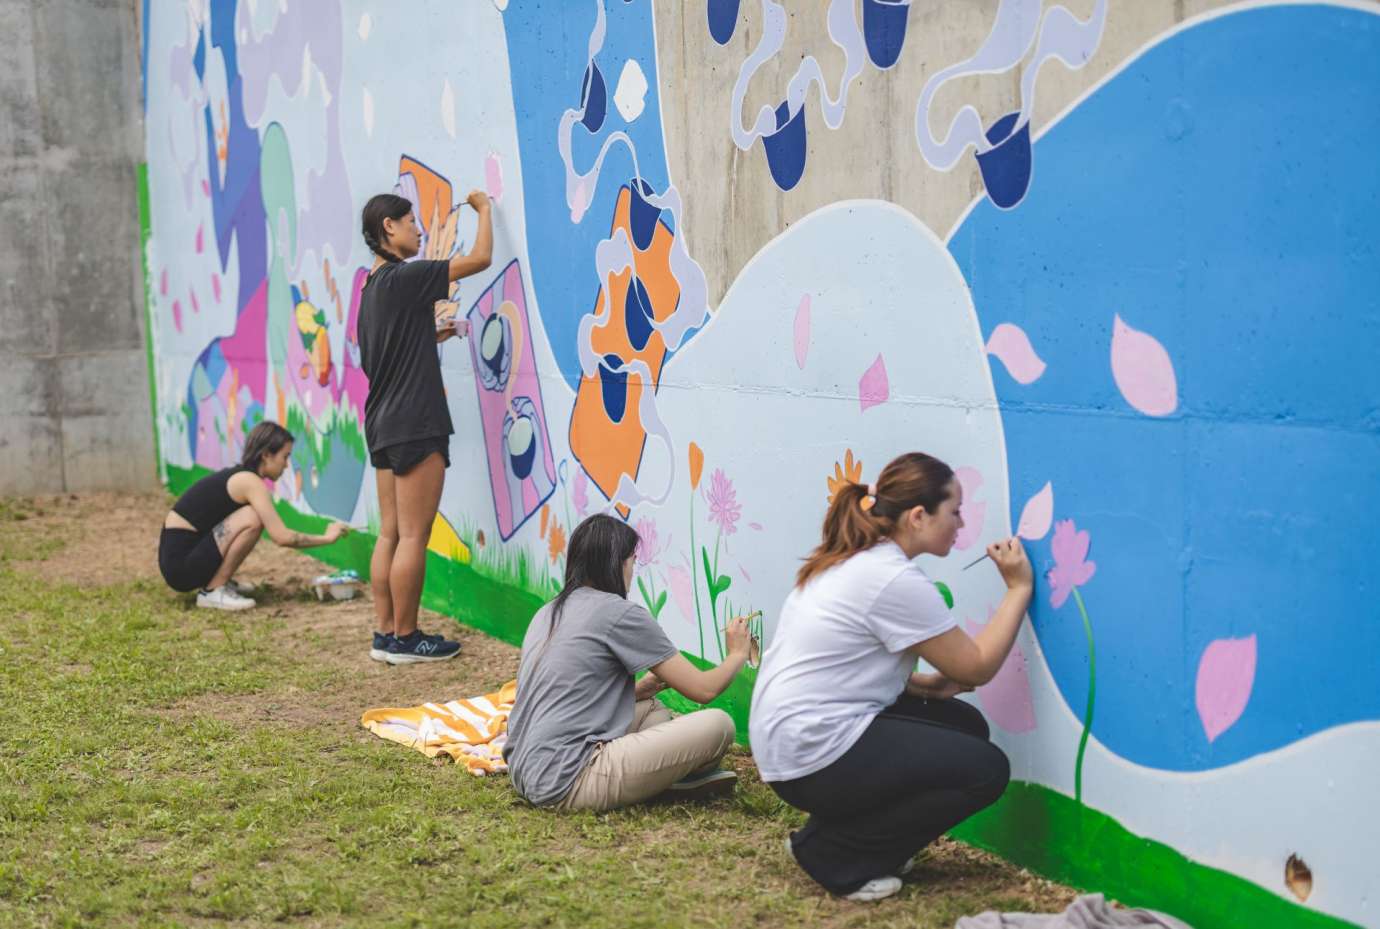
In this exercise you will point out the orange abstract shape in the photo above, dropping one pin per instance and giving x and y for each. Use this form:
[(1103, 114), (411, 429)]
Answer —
[(321, 357), (545, 515), (433, 190), (850, 472), (556, 542), (282, 398), (606, 446), (696, 465)]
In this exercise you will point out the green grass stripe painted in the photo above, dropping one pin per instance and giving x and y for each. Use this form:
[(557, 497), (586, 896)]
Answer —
[(141, 175), (1048, 832), (735, 701)]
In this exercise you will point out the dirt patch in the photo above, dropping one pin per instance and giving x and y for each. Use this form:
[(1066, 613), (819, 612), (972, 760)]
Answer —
[(99, 539)]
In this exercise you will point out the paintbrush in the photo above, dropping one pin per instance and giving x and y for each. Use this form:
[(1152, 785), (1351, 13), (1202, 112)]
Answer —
[(976, 560)]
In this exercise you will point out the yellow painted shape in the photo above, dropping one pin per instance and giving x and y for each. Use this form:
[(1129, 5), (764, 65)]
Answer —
[(446, 543)]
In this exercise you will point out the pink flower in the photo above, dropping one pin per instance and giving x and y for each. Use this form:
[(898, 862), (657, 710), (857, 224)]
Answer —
[(724, 509), (1071, 569), (580, 492), (649, 547)]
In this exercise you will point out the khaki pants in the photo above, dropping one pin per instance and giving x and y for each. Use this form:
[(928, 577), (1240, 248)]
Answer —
[(657, 751)]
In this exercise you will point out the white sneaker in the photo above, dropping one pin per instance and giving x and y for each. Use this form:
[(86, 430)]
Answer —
[(877, 889), (223, 598), (242, 588), (909, 866)]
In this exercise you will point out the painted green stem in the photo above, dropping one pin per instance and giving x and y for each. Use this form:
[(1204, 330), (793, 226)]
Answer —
[(694, 574), (1092, 692)]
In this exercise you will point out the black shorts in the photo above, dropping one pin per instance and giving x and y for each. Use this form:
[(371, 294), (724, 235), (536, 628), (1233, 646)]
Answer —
[(188, 559), (405, 456)]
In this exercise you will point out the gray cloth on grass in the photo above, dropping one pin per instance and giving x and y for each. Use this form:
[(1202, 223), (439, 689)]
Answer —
[(1087, 912)]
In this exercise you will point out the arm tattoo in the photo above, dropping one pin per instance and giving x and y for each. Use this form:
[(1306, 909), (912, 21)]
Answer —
[(299, 540)]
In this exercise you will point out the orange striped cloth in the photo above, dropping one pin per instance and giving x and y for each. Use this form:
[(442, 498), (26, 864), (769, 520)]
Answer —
[(471, 732)]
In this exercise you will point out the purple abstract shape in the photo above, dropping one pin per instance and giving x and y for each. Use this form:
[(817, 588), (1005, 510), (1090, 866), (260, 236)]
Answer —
[(873, 388), (785, 147), (1006, 166), (642, 216), (637, 314), (593, 98)]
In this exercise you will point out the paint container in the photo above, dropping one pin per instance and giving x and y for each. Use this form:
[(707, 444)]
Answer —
[(342, 585)]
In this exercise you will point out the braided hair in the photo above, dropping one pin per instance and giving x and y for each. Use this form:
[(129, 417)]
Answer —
[(379, 208)]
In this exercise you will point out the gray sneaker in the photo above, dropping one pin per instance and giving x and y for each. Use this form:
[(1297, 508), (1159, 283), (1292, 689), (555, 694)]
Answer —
[(706, 782)]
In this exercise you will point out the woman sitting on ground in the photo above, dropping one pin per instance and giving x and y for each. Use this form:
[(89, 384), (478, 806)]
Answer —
[(582, 735), (214, 526), (883, 759)]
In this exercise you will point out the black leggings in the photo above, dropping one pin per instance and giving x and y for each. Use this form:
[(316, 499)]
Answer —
[(921, 768)]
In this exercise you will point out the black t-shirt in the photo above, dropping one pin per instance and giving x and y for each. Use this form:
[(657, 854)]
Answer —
[(397, 346), (207, 503)]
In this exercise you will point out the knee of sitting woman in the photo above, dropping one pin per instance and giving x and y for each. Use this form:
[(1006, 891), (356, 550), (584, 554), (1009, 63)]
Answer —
[(722, 723)]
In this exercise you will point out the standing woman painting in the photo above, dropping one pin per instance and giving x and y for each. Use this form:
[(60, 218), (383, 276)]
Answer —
[(406, 420)]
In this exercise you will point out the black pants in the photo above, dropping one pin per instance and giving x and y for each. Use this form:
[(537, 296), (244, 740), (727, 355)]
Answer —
[(920, 768)]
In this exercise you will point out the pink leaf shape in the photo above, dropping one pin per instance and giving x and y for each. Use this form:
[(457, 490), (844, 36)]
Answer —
[(177, 314), (493, 176), (1010, 345), (973, 511), (196, 304), (873, 388), (755, 526), (200, 238), (1142, 371), (579, 201), (1006, 698), (163, 282), (682, 591), (1037, 514), (215, 286), (206, 187), (1226, 674), (802, 331)]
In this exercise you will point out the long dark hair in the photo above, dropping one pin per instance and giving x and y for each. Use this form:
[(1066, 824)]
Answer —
[(599, 546), (267, 438), (914, 479), (379, 208)]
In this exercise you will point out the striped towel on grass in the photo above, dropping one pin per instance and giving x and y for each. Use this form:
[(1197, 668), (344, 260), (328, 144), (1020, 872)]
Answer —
[(472, 732)]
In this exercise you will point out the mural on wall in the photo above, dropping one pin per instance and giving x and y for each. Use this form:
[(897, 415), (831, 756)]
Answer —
[(1152, 359)]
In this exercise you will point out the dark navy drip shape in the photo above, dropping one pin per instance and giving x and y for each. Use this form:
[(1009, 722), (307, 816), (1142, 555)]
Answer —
[(884, 30), (615, 387), (642, 216), (786, 147), (522, 459), (593, 98), (1006, 167), (723, 19), (637, 314)]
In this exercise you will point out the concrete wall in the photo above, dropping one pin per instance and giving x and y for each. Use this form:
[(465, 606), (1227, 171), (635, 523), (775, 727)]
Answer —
[(74, 392), (1113, 261)]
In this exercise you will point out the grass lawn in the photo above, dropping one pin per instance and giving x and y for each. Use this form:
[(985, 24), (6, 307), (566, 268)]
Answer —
[(166, 766)]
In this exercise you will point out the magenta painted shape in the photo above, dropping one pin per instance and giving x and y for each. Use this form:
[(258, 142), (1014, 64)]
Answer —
[(973, 511), (247, 349), (515, 499), (802, 331), (1006, 698), (177, 314), (215, 286), (874, 389), (1143, 371), (200, 239), (196, 304), (1226, 676), (1037, 514), (1011, 346)]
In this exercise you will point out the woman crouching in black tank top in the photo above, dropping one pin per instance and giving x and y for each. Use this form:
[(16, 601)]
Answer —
[(214, 526), (406, 420)]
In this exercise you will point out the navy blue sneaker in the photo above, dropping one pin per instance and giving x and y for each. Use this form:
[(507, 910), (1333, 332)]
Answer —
[(379, 652), (415, 647)]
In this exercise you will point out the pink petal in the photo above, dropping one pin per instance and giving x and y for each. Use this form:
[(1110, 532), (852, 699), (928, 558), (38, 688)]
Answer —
[(1143, 372), (177, 314), (1037, 514), (1006, 698), (206, 187), (682, 591), (196, 304), (215, 286), (802, 331), (755, 526), (200, 239), (873, 388), (493, 176), (1010, 345), (163, 282), (972, 511), (1226, 674)]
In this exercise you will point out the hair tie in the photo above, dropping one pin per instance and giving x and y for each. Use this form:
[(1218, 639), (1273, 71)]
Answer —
[(870, 499)]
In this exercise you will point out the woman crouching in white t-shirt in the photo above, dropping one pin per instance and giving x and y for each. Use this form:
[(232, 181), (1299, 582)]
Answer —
[(883, 759)]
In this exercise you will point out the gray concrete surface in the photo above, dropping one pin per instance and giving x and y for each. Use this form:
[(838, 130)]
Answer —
[(74, 394)]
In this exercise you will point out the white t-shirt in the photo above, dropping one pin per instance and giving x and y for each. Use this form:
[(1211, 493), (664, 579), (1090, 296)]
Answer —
[(839, 658)]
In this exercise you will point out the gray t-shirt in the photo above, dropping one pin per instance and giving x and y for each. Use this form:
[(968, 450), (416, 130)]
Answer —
[(577, 691)]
